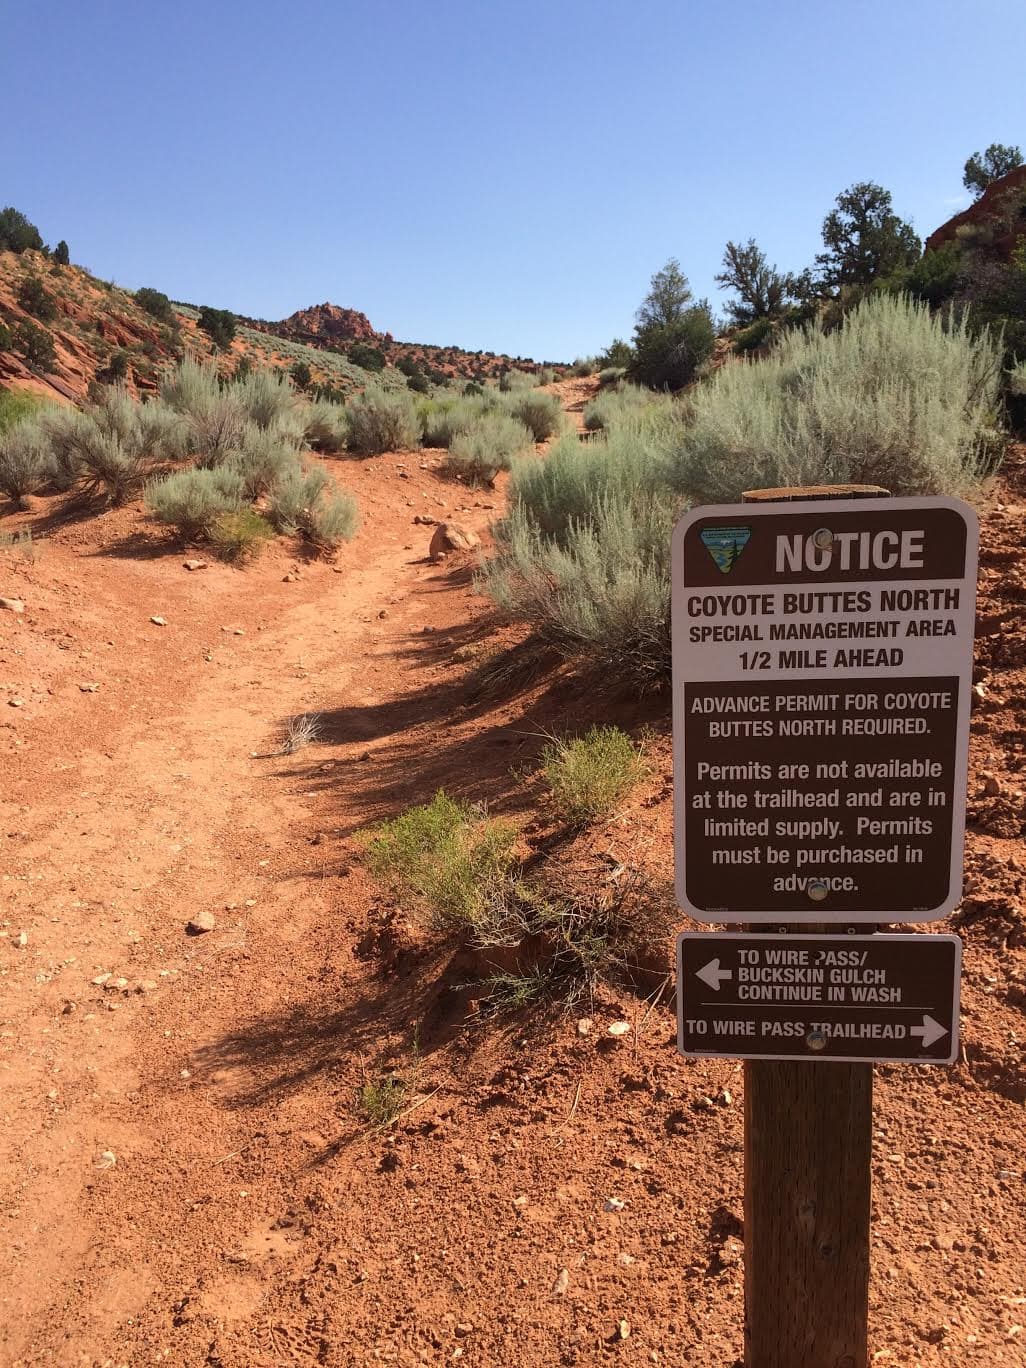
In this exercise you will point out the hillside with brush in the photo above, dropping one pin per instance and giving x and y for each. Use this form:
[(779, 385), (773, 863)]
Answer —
[(64, 332)]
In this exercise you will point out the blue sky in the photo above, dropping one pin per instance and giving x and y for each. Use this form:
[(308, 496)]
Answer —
[(485, 175)]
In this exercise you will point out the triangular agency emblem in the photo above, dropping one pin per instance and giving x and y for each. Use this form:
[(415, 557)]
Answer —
[(725, 544)]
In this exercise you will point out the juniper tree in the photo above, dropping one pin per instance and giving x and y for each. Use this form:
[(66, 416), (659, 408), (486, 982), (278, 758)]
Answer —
[(982, 169), (864, 238), (672, 335), (761, 289), (17, 234)]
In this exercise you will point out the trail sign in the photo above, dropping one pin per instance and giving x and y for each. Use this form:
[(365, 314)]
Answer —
[(887, 999), (822, 663)]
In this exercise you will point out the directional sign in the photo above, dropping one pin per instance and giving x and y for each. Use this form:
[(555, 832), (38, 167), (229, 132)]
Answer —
[(852, 998), (822, 663)]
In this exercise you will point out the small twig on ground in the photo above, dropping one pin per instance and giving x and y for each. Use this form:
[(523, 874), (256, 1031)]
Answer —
[(653, 1000), (235, 1153), (571, 1113), (384, 1125)]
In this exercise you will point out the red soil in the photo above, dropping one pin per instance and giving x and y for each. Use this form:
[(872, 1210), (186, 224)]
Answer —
[(248, 1216)]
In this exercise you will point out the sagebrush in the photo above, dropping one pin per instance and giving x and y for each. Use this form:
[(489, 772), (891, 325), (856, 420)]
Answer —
[(588, 776), (447, 859)]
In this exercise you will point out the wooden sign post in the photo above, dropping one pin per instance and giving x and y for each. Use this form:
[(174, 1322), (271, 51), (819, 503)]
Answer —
[(808, 1188), (822, 655)]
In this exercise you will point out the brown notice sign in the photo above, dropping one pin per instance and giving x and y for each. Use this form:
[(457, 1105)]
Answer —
[(822, 659), (888, 999)]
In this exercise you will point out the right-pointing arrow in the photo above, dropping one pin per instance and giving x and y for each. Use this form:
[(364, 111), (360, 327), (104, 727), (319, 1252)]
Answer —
[(713, 975), (930, 1031)]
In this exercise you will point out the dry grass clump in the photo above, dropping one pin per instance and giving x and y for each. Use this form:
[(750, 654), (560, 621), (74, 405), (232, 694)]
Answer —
[(239, 536), (588, 776), (447, 859), (301, 731)]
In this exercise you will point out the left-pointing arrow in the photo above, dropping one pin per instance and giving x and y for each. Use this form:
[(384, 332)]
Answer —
[(713, 975), (930, 1031)]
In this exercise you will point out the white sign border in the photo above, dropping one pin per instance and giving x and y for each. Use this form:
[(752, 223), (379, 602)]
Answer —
[(820, 914), (808, 1058)]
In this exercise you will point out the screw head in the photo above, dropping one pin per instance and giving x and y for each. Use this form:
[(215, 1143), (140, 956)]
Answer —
[(816, 1040), (818, 890), (823, 538)]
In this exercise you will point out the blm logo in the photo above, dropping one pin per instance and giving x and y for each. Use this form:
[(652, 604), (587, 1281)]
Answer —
[(725, 544)]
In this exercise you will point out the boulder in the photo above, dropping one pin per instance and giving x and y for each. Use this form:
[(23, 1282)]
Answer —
[(448, 537)]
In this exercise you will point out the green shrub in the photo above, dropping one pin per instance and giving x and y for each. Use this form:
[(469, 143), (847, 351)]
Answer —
[(194, 500), (589, 775), (379, 421), (155, 303), (383, 1099), (34, 299), (332, 520), (444, 419), (111, 446), (540, 413), (934, 278), (611, 375), (301, 375), (602, 411), (511, 380), (584, 365), (26, 465), (600, 593), (265, 398), (191, 388), (219, 325), (239, 536), (264, 458), (478, 454), (324, 426), (62, 254), (17, 234), (117, 366), (617, 356), (895, 396), (307, 501), (35, 346), (446, 859), (295, 494), (753, 337), (668, 355), (365, 356), (15, 405)]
